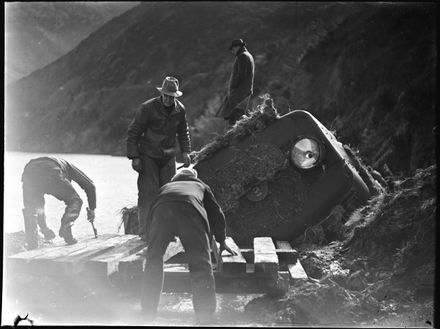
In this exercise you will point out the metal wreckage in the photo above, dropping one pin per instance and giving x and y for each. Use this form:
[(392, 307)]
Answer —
[(274, 176)]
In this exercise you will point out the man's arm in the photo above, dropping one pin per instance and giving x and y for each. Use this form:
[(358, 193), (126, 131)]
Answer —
[(134, 132), (215, 214), (243, 67), (86, 184), (184, 138)]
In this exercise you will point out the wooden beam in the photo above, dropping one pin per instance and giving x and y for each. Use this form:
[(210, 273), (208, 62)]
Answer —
[(174, 248), (248, 254), (75, 261), (177, 279), (38, 261), (215, 255), (296, 271), (286, 254), (265, 257), (295, 268), (107, 264), (132, 265), (232, 264)]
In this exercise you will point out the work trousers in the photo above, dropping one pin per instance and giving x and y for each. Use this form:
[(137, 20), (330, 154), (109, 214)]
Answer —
[(180, 219), (155, 173), (47, 178)]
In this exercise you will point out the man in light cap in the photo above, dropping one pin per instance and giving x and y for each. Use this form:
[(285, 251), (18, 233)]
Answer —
[(187, 208), (151, 145), (241, 83)]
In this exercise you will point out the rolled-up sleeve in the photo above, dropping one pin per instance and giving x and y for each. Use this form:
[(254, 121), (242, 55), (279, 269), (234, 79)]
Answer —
[(134, 132)]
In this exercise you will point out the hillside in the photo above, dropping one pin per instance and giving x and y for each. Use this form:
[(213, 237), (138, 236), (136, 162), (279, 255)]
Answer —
[(40, 32), (365, 70)]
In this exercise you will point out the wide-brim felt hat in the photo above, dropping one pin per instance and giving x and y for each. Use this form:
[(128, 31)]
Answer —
[(170, 86), (237, 42)]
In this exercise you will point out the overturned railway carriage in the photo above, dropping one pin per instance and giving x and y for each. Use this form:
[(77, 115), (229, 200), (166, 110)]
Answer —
[(278, 181)]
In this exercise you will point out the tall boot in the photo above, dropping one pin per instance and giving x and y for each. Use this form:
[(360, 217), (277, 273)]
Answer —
[(47, 232), (70, 215), (66, 233), (31, 229)]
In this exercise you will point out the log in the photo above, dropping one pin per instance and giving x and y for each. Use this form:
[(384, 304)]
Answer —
[(265, 257)]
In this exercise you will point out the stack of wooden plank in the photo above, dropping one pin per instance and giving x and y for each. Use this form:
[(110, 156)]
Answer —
[(267, 267)]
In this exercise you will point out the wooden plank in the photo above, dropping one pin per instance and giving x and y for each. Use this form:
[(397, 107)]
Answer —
[(174, 248), (286, 254), (248, 254), (215, 252), (296, 271), (177, 279), (60, 249), (25, 261), (265, 257), (132, 265), (232, 264), (216, 259), (74, 262), (294, 266), (107, 263)]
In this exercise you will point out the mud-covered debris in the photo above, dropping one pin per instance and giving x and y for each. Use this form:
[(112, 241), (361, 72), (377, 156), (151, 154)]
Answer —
[(257, 120)]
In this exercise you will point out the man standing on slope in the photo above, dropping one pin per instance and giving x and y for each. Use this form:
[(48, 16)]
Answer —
[(151, 145), (241, 84)]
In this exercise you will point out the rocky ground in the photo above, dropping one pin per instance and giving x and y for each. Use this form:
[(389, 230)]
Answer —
[(380, 272)]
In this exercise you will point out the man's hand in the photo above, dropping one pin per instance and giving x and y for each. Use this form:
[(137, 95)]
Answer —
[(90, 215), (186, 159), (224, 246), (136, 164)]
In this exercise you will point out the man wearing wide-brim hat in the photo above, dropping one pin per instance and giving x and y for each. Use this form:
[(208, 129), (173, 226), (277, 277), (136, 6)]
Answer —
[(241, 83), (151, 145)]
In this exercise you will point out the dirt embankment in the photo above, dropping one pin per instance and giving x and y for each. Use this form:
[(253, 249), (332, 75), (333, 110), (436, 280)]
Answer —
[(380, 273)]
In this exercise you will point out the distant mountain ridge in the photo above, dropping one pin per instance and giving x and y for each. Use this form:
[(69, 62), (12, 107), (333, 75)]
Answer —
[(364, 70), (39, 32)]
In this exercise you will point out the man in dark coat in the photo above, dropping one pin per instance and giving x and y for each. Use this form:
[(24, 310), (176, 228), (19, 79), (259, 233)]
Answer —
[(53, 176), (151, 145), (241, 84), (187, 208)]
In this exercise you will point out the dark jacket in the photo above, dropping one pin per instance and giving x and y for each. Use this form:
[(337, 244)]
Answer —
[(153, 130), (69, 171), (241, 82), (198, 194)]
